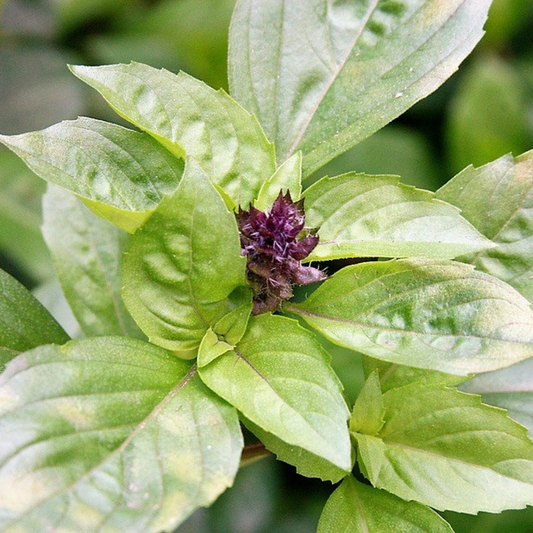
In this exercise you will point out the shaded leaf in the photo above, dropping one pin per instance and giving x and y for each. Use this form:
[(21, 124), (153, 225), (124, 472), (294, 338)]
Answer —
[(358, 508), (445, 449), (190, 119), (125, 170), (124, 437), (376, 216), (183, 264), (279, 378), (87, 255), (437, 315), (323, 76)]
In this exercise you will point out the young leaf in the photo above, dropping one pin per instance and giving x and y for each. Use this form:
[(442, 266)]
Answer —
[(87, 256), (358, 508), (437, 315), (190, 119), (25, 323), (445, 449), (125, 170), (124, 437), (322, 77), (279, 378), (368, 411), (510, 388), (497, 199), (183, 264), (375, 216)]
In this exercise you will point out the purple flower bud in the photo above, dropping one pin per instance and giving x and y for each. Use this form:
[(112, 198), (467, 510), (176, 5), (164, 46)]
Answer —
[(275, 244)]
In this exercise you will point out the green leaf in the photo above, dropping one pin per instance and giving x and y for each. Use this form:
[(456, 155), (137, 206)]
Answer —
[(183, 264), (190, 119), (125, 170), (358, 508), (497, 199), (368, 411), (279, 378), (376, 216), (124, 437), (445, 449), (437, 315), (87, 256), (24, 322), (510, 388), (322, 77), (287, 177)]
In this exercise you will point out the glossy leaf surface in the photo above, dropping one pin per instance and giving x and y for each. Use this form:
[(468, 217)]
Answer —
[(446, 449), (113, 434), (322, 76), (190, 119), (437, 315), (376, 216), (183, 264)]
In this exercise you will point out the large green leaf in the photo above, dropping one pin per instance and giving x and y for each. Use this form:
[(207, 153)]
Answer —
[(24, 322), (110, 433), (497, 199), (87, 256), (322, 76), (190, 119), (438, 315), (126, 171), (279, 378), (375, 216), (447, 450), (183, 264), (358, 508)]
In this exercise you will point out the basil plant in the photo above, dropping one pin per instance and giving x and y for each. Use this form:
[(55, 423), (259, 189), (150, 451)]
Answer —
[(180, 244)]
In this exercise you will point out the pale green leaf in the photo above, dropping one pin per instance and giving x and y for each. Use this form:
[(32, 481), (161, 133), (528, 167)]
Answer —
[(288, 177), (323, 76), (124, 437), (368, 410), (279, 378), (497, 199), (183, 264), (87, 256), (376, 216), (24, 322), (445, 449), (358, 508), (438, 315), (125, 170), (190, 119)]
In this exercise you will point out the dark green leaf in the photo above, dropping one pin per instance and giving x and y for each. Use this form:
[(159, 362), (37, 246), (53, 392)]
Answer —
[(497, 199), (183, 264), (126, 171), (437, 315), (190, 119), (24, 322), (87, 255), (279, 378), (447, 450), (322, 76), (375, 216), (124, 437), (358, 508)]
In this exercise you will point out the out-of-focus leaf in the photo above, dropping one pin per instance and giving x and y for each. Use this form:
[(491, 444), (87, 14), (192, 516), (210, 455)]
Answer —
[(322, 77), (497, 199), (124, 437), (515, 521), (24, 322), (358, 508), (87, 255), (506, 17), (488, 115), (442, 316)]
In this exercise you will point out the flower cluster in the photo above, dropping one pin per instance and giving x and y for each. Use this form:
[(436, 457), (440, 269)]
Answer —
[(275, 244)]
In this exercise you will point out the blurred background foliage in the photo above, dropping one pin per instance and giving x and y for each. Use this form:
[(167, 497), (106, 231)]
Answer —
[(481, 113)]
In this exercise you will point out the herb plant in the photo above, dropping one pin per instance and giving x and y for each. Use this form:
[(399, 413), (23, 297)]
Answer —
[(180, 252)]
